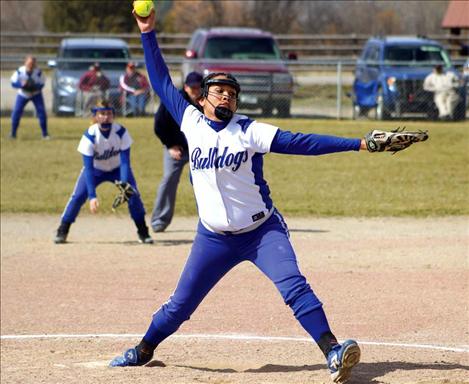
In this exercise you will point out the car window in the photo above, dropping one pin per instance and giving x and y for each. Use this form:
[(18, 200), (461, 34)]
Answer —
[(87, 56), (373, 54), (241, 48), (195, 41), (424, 55)]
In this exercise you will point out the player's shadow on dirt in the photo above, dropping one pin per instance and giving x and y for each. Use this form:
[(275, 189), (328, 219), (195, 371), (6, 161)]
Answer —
[(168, 243), (308, 230), (157, 242), (364, 373)]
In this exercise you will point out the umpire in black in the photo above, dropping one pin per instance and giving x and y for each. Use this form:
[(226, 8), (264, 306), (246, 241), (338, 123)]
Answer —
[(175, 154)]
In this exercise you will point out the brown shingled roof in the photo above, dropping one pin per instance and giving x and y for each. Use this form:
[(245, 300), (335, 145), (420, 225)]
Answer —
[(457, 14)]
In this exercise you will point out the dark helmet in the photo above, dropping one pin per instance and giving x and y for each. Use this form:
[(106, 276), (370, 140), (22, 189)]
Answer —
[(229, 80)]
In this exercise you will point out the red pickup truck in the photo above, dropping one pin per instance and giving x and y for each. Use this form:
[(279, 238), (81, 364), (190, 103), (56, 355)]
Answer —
[(253, 57)]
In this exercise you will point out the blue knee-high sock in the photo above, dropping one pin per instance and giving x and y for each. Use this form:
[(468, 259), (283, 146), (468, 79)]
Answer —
[(153, 336), (315, 323)]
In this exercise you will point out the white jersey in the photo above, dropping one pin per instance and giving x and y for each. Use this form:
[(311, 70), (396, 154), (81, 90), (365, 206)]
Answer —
[(105, 151), (226, 159), (226, 170), (443, 82), (20, 76)]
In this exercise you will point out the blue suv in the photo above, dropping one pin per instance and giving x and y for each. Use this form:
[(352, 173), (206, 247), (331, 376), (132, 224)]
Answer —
[(389, 77)]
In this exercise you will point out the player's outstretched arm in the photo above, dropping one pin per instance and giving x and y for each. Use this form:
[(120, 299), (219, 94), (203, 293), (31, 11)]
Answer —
[(157, 69), (311, 144)]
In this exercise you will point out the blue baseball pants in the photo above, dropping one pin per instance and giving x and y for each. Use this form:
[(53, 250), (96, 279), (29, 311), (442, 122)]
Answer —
[(38, 101), (80, 194), (268, 247)]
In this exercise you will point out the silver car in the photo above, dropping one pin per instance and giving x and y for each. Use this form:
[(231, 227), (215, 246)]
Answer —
[(74, 58)]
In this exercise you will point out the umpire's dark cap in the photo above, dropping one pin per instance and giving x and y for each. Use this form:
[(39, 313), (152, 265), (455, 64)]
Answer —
[(193, 79)]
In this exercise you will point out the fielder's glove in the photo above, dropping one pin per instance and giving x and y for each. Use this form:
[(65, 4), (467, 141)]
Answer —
[(29, 86), (393, 141), (125, 193)]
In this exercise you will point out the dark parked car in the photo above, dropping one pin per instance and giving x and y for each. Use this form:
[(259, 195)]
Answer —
[(389, 77), (74, 58), (253, 57)]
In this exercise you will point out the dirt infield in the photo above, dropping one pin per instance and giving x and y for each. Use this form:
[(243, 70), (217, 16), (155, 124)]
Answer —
[(399, 286)]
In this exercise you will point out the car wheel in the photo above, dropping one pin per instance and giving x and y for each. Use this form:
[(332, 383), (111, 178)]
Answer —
[(267, 111), (460, 112), (381, 111), (432, 113), (283, 110)]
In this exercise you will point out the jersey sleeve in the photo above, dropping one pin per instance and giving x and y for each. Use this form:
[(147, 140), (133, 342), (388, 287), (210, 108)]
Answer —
[(259, 136), (311, 144), (15, 81), (89, 176), (160, 79), (41, 80), (126, 139), (125, 165), (86, 145)]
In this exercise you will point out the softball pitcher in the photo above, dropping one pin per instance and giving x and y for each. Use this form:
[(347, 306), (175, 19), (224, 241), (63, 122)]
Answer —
[(105, 148), (238, 221)]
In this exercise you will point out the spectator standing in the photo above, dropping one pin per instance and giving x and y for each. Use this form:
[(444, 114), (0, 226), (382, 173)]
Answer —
[(443, 85), (136, 90), (93, 84), (175, 154), (29, 81)]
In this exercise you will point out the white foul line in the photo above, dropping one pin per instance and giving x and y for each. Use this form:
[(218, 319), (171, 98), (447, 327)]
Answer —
[(227, 337)]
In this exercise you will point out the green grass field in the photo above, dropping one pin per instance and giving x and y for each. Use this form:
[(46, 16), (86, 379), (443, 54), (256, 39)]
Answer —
[(428, 179)]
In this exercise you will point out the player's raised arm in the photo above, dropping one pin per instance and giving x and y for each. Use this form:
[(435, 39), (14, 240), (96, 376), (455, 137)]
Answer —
[(157, 69)]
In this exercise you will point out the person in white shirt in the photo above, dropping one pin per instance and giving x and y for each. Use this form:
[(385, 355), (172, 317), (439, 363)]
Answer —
[(443, 85), (29, 80), (238, 220), (105, 149)]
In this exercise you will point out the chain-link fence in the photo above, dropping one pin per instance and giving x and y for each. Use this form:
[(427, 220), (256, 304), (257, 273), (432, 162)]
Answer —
[(311, 90), (124, 103)]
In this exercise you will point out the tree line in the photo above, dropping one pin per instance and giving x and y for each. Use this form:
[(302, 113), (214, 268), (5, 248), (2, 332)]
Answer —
[(277, 16)]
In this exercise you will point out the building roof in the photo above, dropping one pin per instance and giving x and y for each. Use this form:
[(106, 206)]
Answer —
[(457, 14)]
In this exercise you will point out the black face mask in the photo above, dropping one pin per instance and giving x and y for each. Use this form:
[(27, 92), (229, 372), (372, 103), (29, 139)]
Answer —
[(223, 113)]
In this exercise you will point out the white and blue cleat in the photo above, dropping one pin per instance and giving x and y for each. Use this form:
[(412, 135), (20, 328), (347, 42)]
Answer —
[(128, 359), (342, 359)]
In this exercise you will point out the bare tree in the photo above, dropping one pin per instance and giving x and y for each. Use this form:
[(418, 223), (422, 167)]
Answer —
[(279, 16), (372, 17), (23, 16)]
